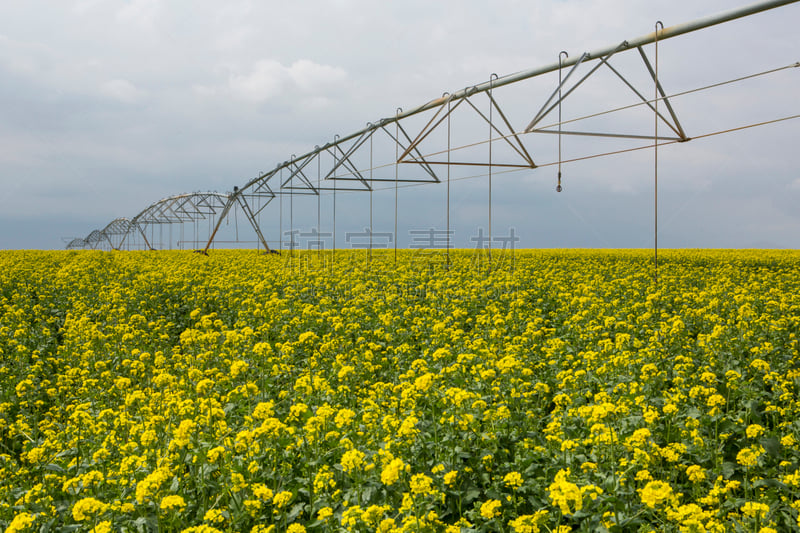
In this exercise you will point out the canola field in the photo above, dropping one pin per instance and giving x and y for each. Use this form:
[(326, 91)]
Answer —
[(242, 392)]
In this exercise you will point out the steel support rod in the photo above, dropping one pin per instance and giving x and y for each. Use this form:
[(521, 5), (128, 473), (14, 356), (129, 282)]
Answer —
[(448, 184), (370, 199), (396, 175), (319, 210), (655, 152)]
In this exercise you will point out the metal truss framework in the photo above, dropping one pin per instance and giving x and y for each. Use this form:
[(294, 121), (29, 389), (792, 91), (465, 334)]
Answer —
[(346, 163), (178, 209)]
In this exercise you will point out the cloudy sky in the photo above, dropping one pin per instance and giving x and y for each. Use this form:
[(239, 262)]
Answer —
[(110, 105)]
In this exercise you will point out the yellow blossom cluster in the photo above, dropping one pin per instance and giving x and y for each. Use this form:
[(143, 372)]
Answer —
[(547, 391)]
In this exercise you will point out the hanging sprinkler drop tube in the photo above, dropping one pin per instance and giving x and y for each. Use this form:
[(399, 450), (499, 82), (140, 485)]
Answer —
[(566, 55)]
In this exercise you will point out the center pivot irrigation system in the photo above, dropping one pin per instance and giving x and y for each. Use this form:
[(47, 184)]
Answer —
[(411, 147)]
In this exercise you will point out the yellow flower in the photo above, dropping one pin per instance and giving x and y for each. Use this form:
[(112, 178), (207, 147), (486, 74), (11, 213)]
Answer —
[(184, 432), (490, 509), (655, 493), (323, 479), (564, 494), (101, 527), (748, 456), (149, 486), (513, 480), (215, 453), (262, 492), (238, 367), (346, 354), (344, 417), (238, 483), (528, 523), (88, 509), (421, 484), (715, 401), (204, 387), (282, 499), (215, 516), (20, 523), (391, 472), (755, 509), (387, 525), (352, 460), (568, 445), (695, 473), (593, 491), (374, 513), (172, 503), (408, 428), (351, 516)]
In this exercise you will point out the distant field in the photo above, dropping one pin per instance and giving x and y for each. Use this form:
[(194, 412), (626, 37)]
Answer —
[(144, 391)]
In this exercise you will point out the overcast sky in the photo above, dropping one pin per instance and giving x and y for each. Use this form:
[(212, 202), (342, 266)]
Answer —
[(110, 105)]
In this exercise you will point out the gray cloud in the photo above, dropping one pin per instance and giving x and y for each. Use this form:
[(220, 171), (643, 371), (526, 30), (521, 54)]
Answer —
[(110, 105)]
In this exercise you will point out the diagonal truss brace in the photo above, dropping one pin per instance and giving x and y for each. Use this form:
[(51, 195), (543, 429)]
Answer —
[(297, 172), (342, 159), (544, 111), (672, 122), (233, 199), (251, 217), (512, 138), (401, 139)]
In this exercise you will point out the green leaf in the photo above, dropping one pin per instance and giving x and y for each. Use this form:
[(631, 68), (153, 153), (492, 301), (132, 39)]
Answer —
[(728, 469), (771, 483), (772, 446), (471, 496), (295, 511)]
